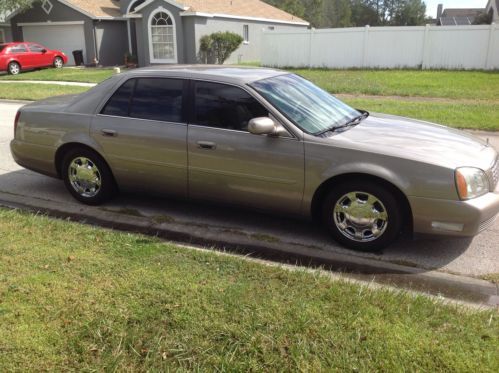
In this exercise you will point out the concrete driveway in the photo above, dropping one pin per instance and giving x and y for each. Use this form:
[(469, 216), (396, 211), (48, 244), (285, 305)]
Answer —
[(469, 257)]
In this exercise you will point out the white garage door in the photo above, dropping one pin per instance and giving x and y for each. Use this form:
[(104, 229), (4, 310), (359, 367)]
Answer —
[(66, 38)]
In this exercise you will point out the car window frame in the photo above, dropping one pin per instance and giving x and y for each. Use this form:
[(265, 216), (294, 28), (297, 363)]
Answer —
[(272, 111), (185, 87)]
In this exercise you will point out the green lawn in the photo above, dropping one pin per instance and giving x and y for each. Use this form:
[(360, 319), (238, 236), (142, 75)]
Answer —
[(33, 92), (466, 99), (79, 298), (477, 85), (480, 115), (85, 75)]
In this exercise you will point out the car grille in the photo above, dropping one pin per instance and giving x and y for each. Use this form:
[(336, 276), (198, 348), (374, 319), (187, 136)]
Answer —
[(494, 172), (487, 223)]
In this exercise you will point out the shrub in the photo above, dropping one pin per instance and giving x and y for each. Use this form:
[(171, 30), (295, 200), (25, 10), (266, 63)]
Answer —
[(217, 47)]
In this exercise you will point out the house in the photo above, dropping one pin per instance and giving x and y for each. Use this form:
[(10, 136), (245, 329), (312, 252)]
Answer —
[(5, 33), (493, 9), (156, 31), (457, 16)]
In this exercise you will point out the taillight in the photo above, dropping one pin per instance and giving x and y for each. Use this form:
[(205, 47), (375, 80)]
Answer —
[(16, 121)]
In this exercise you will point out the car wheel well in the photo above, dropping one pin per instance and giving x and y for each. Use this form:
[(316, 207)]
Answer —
[(15, 61), (321, 193), (61, 152)]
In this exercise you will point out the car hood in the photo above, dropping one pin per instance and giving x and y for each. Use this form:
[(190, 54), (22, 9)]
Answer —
[(418, 140)]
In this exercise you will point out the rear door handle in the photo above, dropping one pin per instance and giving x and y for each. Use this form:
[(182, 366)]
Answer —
[(206, 145), (109, 133)]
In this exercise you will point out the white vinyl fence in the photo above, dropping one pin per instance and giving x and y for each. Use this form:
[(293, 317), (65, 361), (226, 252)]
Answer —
[(426, 47)]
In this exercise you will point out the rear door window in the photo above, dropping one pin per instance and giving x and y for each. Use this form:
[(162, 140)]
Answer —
[(159, 99), (21, 48), (119, 103)]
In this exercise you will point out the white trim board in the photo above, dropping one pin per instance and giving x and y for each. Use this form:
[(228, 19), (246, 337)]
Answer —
[(51, 23), (221, 15)]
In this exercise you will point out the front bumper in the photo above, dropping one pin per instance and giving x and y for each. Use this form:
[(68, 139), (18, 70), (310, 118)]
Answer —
[(454, 218)]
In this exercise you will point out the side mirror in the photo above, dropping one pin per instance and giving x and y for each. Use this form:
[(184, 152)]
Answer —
[(262, 126), (44, 51)]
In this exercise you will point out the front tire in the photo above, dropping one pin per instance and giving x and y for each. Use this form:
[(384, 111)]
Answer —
[(14, 68), (58, 63), (363, 216), (87, 176)]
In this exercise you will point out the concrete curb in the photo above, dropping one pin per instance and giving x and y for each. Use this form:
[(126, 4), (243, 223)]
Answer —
[(435, 283)]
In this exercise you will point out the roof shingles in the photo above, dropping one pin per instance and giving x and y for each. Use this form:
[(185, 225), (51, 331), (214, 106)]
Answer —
[(241, 8), (98, 8)]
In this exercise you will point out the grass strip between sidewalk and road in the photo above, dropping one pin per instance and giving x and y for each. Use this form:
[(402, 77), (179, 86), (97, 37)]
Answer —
[(81, 75), (34, 92), (76, 297)]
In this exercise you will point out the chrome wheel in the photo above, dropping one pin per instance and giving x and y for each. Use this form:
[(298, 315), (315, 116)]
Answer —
[(14, 68), (84, 177), (58, 63), (360, 216)]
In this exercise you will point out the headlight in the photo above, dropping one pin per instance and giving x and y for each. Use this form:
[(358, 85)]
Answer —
[(471, 182)]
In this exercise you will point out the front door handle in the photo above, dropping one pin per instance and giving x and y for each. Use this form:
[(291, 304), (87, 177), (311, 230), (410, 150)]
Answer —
[(109, 133), (206, 145)]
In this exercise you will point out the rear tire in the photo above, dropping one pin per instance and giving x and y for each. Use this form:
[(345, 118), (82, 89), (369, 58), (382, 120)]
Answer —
[(87, 176), (14, 68), (58, 63), (362, 215)]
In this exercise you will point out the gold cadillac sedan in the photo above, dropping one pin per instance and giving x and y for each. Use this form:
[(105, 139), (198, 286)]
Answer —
[(265, 139)]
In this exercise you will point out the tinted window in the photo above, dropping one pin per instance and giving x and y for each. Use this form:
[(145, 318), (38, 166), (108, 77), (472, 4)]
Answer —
[(158, 99), (35, 48), (18, 49), (224, 106), (2, 47), (119, 102)]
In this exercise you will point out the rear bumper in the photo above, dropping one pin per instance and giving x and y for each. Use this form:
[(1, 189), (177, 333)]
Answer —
[(454, 218), (34, 157)]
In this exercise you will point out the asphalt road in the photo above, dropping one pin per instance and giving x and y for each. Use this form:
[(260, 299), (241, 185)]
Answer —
[(469, 257)]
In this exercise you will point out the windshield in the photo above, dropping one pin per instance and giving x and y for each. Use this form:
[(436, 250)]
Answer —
[(2, 47), (308, 106)]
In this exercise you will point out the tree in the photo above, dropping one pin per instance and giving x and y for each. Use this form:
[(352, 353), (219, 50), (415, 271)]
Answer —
[(7, 6), (409, 13), (217, 47)]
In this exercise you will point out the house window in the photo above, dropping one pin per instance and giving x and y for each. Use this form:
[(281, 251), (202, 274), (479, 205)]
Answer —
[(162, 37), (246, 33)]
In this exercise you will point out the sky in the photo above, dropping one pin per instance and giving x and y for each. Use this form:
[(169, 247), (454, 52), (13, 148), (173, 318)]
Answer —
[(431, 5)]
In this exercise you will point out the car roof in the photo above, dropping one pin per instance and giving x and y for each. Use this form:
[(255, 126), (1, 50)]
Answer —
[(225, 73)]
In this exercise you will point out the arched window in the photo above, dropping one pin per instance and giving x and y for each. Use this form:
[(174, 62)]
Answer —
[(162, 37)]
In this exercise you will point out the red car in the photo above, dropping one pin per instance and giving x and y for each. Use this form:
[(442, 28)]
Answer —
[(15, 57)]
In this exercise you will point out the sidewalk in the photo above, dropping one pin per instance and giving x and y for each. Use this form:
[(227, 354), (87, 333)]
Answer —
[(75, 84)]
